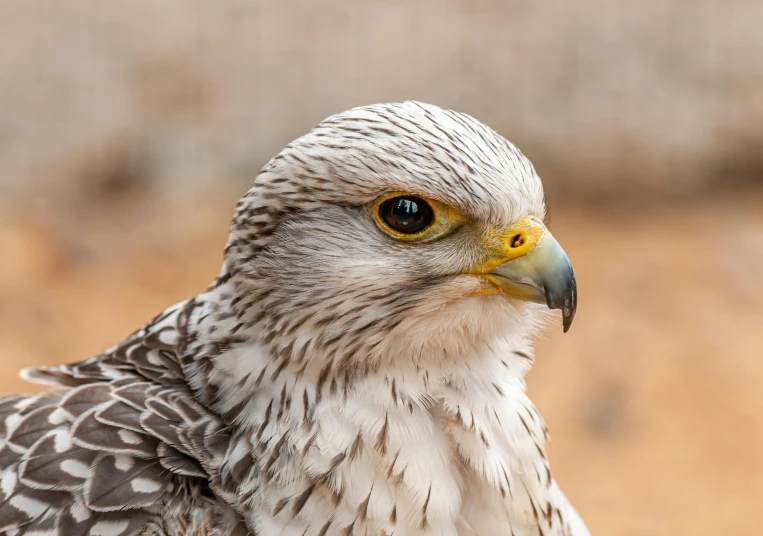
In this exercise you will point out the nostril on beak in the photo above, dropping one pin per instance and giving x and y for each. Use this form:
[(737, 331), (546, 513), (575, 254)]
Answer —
[(516, 241)]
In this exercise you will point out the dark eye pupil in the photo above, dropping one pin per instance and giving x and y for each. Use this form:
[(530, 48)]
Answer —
[(407, 215)]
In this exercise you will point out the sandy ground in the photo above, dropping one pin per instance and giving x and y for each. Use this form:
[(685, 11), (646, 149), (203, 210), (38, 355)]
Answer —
[(653, 398), (618, 97)]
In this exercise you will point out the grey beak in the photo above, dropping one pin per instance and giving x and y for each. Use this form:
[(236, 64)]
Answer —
[(543, 275)]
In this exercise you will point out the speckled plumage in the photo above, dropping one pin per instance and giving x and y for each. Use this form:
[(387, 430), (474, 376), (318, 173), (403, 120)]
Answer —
[(331, 381)]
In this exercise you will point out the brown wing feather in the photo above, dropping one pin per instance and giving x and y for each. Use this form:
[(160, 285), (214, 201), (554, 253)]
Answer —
[(108, 454)]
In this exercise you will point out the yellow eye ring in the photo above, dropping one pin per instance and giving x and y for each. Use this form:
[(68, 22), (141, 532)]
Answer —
[(410, 217)]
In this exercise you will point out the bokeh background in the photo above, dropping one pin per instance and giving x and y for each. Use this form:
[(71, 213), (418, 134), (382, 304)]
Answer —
[(128, 129)]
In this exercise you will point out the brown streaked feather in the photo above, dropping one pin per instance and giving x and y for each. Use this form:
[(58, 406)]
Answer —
[(121, 482), (30, 429), (118, 414), (85, 398), (54, 463), (178, 463), (87, 432)]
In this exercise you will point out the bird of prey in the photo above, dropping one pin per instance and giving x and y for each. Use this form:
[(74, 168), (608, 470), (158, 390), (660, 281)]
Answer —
[(357, 368)]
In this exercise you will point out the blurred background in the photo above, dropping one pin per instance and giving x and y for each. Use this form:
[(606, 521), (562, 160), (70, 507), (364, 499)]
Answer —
[(128, 130)]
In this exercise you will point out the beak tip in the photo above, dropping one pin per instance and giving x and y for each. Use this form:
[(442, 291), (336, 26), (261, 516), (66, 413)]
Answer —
[(566, 301), (567, 322), (570, 307)]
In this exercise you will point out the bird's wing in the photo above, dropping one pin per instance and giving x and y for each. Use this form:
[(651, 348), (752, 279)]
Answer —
[(154, 352), (109, 453), (122, 443)]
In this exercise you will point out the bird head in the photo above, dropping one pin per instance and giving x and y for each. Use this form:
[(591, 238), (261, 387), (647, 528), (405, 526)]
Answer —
[(394, 227)]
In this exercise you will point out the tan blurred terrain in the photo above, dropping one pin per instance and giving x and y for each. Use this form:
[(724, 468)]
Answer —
[(611, 98), (129, 128), (653, 398)]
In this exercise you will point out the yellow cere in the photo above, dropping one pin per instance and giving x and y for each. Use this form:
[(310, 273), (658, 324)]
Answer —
[(446, 219), (504, 245)]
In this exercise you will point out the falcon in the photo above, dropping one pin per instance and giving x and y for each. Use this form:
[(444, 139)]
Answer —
[(357, 368)]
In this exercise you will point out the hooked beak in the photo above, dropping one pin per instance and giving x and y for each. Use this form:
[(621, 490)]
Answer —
[(534, 268)]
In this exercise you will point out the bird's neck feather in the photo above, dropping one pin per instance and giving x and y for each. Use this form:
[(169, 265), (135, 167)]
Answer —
[(421, 362), (466, 403)]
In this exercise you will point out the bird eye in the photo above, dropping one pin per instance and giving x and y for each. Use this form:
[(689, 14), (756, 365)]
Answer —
[(406, 214)]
